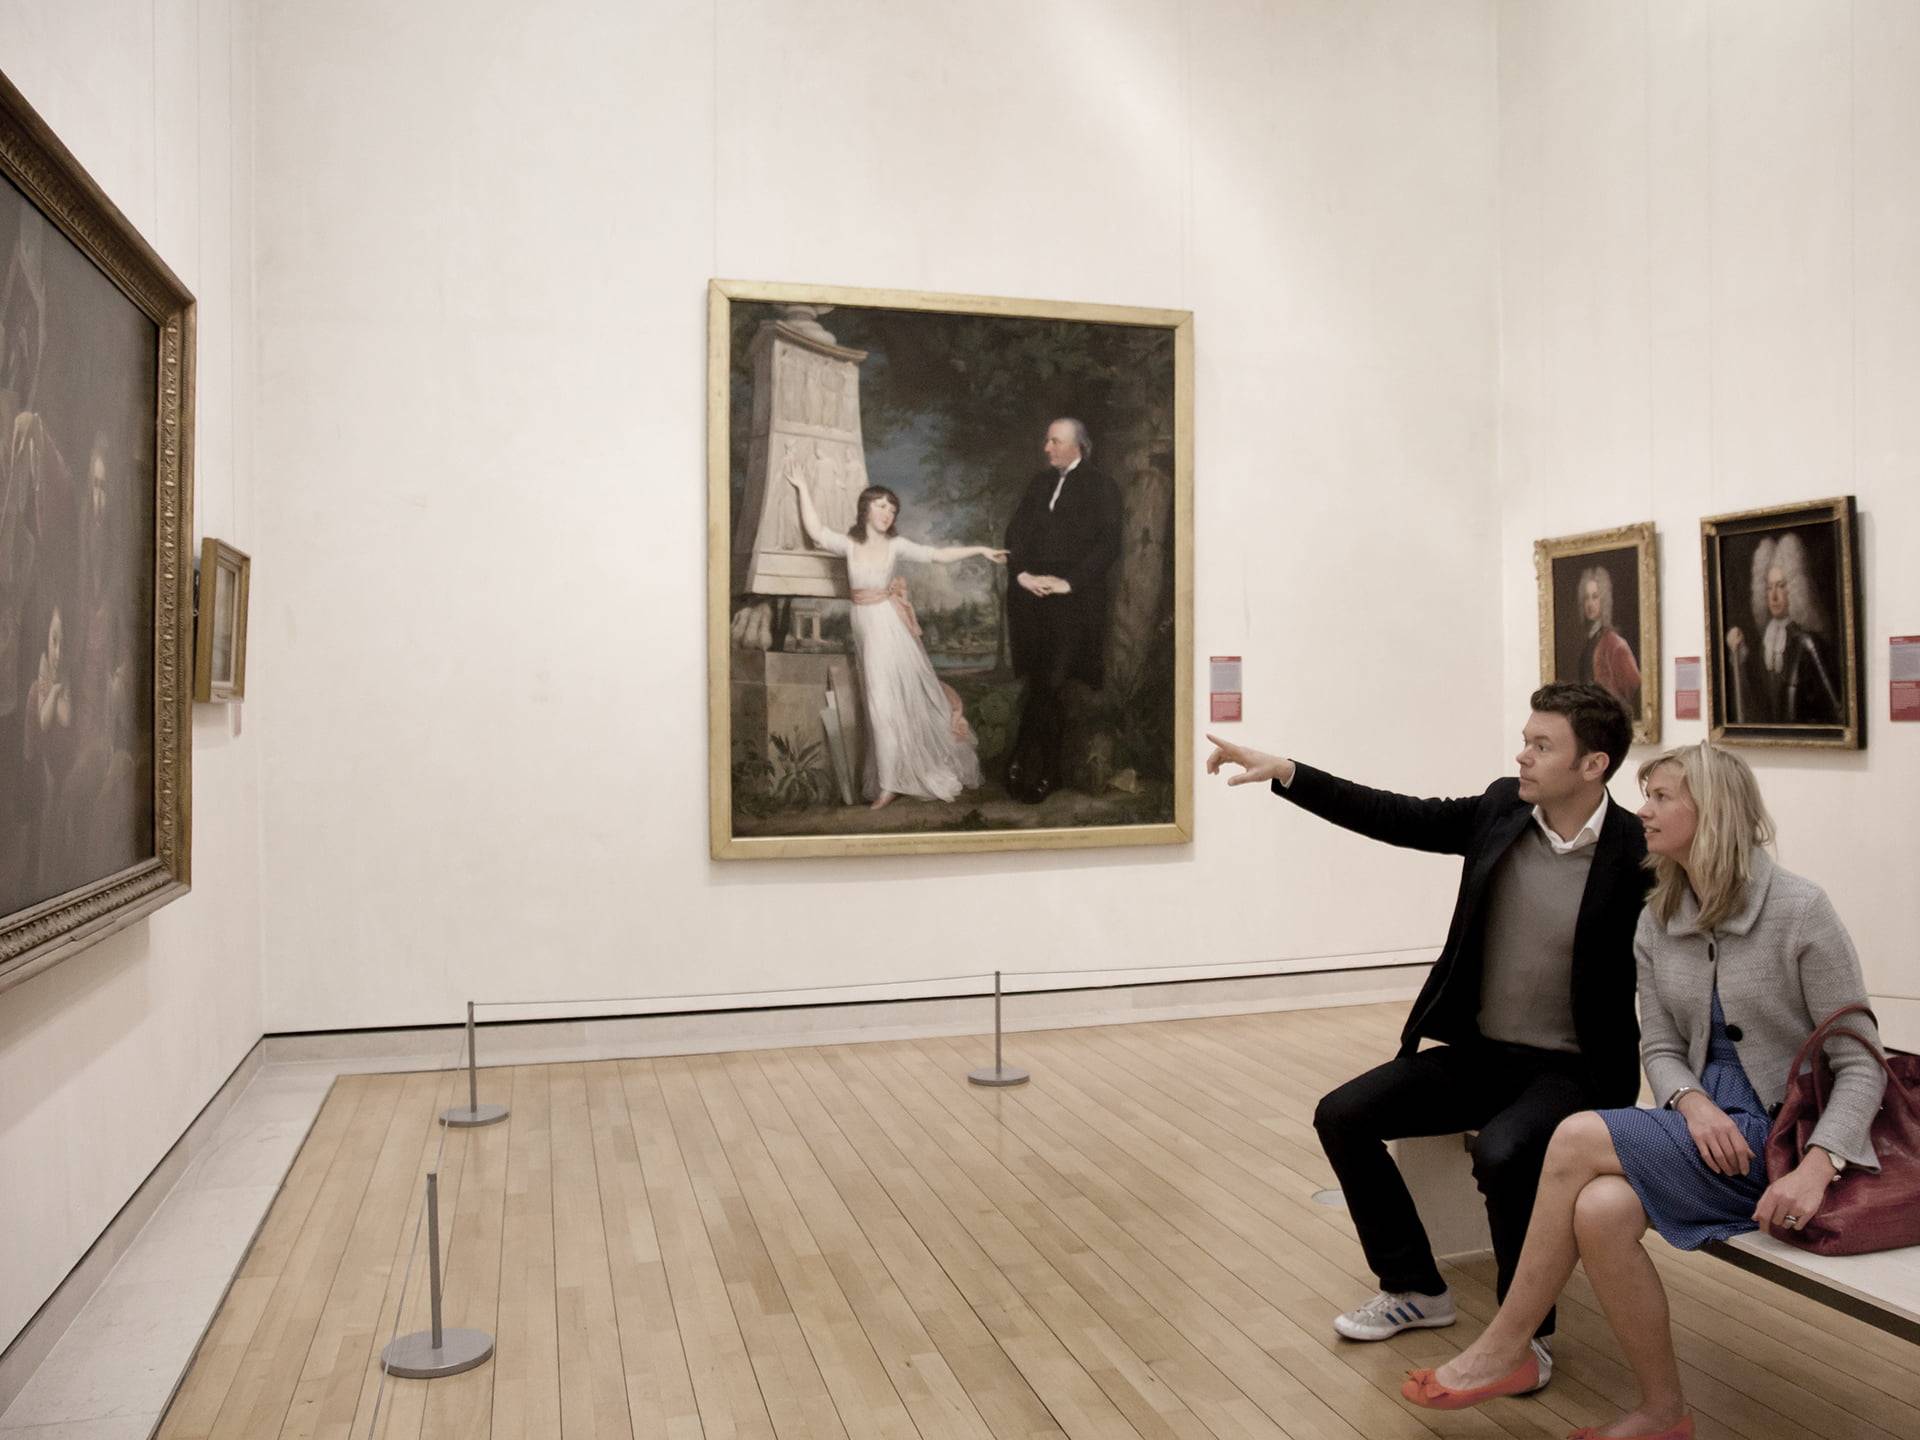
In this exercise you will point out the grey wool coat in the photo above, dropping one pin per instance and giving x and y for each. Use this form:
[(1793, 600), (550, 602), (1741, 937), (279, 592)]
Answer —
[(1784, 964)]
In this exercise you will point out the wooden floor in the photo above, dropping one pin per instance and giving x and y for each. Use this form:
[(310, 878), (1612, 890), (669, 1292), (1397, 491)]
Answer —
[(852, 1241)]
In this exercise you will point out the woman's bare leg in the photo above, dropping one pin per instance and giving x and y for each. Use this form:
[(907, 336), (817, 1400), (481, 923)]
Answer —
[(1609, 1221), (887, 798), (1581, 1151)]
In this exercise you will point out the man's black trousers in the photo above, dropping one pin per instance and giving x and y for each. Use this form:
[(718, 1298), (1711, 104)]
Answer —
[(1512, 1095)]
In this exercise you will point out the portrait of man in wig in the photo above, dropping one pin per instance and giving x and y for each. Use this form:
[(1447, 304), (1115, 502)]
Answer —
[(1782, 673), (1606, 659)]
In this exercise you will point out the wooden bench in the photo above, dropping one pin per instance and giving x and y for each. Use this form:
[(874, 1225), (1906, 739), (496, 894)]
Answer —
[(1882, 1289)]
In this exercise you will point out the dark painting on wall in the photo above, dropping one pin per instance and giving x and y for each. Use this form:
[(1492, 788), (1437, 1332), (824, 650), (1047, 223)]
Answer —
[(95, 415), (76, 566), (1600, 617), (948, 558), (1783, 607)]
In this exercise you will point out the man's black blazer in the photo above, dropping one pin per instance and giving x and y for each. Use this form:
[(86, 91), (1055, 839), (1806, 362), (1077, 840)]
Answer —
[(1481, 828)]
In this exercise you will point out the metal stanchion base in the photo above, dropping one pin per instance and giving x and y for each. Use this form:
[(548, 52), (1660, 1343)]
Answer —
[(1005, 1075), (461, 1117), (412, 1357)]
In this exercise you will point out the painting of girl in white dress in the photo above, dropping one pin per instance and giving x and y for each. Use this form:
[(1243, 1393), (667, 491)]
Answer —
[(919, 743), (848, 717)]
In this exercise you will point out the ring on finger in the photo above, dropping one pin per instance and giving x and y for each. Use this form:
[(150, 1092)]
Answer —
[(1793, 1222)]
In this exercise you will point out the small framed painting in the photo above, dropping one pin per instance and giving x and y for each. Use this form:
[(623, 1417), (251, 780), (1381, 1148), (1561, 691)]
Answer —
[(220, 643), (1600, 618)]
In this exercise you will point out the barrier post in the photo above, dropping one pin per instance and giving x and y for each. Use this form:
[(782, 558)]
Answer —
[(429, 1354), (473, 1112), (1001, 1074)]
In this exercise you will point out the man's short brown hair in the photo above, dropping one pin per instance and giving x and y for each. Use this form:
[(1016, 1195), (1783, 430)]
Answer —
[(1600, 722)]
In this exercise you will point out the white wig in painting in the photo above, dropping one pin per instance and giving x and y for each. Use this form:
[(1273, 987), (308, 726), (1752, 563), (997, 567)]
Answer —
[(1600, 576), (1788, 554)]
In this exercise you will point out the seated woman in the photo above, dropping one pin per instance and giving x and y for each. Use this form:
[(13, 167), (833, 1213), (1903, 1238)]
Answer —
[(1738, 961)]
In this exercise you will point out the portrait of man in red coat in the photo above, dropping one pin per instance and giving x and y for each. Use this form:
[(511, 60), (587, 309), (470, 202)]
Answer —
[(1606, 659)]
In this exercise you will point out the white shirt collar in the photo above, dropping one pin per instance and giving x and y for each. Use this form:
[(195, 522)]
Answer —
[(1061, 483), (1588, 834)]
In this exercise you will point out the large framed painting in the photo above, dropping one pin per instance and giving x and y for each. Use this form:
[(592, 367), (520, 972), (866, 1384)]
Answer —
[(1600, 617), (1783, 625), (96, 431), (949, 573)]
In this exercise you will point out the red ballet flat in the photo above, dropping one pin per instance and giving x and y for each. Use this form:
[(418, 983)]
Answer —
[(1681, 1431), (1424, 1390)]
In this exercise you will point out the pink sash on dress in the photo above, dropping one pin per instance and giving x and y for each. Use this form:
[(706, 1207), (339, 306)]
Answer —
[(897, 593)]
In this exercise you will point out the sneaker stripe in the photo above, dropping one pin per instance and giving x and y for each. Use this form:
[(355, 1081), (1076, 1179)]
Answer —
[(1418, 1313)]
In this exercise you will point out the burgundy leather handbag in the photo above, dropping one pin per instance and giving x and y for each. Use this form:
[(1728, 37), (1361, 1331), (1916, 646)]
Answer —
[(1862, 1211)]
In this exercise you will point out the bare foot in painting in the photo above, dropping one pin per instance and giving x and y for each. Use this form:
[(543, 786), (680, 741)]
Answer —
[(887, 798)]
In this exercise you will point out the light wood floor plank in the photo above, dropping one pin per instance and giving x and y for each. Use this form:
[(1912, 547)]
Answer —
[(916, 1301), (593, 1382), (526, 1367), (1072, 1394), (660, 1399), (726, 1385), (1152, 1375), (1042, 1164), (859, 1382), (851, 1242)]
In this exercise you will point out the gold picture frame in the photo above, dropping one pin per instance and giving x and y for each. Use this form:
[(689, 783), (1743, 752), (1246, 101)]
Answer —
[(220, 633), (1801, 685), (779, 607), (95, 518), (1587, 583)]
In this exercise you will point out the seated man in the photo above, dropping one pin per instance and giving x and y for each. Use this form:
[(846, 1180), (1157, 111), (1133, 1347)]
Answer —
[(1531, 999)]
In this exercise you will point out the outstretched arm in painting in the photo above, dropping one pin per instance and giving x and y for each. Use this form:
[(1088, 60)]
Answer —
[(817, 533)]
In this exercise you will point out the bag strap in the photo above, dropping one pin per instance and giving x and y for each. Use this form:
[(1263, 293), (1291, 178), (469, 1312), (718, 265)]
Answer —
[(1820, 1032), (1827, 1030)]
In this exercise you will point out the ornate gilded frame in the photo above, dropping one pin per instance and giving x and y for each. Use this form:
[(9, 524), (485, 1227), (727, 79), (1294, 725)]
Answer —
[(217, 556), (724, 844), (53, 182), (1849, 644), (1641, 540)]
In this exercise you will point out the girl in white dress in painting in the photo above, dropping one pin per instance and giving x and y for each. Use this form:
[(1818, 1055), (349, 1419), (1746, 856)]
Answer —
[(919, 742)]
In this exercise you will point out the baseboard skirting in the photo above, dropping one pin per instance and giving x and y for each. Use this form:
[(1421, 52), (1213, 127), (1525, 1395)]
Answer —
[(25, 1352), (536, 1041)]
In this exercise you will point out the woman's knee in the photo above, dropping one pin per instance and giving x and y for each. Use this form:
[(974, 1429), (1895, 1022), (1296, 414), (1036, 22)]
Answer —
[(1579, 1141), (1608, 1210)]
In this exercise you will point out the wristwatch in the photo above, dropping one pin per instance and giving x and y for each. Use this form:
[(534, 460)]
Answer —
[(1839, 1161), (1673, 1100)]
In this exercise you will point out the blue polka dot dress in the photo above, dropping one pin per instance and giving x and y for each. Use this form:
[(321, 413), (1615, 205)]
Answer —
[(1686, 1202)]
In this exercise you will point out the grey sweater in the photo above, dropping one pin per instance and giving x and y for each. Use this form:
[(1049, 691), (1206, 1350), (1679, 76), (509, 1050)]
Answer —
[(1785, 963)]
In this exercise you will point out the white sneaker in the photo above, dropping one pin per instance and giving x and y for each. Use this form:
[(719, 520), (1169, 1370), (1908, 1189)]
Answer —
[(1390, 1312), (1543, 1352)]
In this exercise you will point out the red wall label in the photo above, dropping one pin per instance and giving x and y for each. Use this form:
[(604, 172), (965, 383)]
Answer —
[(1223, 681), (1686, 687)]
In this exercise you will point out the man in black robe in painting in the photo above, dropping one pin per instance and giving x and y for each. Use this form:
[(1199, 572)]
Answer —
[(1060, 544)]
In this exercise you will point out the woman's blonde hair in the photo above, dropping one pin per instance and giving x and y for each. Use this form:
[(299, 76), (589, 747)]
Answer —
[(1731, 822)]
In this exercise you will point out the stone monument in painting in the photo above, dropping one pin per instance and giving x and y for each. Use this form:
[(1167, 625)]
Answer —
[(805, 420)]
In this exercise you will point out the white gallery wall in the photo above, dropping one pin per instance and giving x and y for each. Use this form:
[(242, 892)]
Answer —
[(1710, 302), (479, 661), (106, 1058)]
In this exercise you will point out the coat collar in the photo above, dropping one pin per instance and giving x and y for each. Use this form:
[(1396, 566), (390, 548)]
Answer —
[(1685, 919)]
